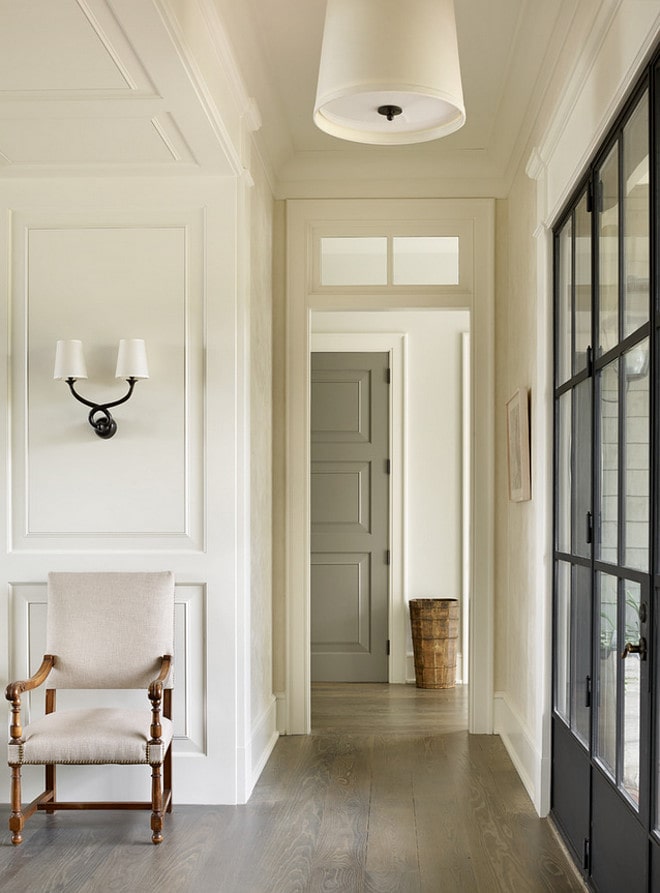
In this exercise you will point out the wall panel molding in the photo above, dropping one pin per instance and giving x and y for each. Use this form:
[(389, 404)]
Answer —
[(95, 276)]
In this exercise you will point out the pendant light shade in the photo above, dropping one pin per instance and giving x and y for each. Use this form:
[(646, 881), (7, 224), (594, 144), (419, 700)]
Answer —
[(389, 71)]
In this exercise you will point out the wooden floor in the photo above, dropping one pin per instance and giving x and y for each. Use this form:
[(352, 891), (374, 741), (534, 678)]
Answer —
[(388, 794)]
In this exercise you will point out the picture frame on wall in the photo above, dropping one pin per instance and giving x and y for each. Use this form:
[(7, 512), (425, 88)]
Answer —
[(518, 451)]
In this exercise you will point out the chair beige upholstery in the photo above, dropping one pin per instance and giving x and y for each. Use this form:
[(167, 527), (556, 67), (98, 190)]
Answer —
[(104, 631)]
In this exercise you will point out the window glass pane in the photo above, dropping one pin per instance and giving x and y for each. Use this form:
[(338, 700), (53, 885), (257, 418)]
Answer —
[(632, 678), (354, 261), (581, 647), (609, 463), (425, 260), (564, 303), (636, 219), (581, 497), (564, 423), (636, 472), (582, 284), (608, 251), (607, 668), (562, 639)]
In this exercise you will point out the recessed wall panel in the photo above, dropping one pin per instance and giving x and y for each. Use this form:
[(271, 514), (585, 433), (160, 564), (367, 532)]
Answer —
[(100, 283)]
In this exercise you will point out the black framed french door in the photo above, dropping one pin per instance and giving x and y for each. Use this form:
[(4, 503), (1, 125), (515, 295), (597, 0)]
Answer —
[(606, 575)]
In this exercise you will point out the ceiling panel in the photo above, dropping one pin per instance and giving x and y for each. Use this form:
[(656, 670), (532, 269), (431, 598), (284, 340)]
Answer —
[(90, 141), (52, 45)]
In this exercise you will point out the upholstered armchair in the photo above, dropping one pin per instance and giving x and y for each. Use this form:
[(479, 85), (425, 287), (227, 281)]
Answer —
[(104, 631)]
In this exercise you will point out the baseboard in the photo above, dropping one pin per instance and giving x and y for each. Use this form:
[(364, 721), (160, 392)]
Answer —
[(263, 740), (524, 753), (281, 712)]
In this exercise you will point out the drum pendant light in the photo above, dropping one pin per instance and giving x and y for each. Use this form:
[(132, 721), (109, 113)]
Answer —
[(389, 71)]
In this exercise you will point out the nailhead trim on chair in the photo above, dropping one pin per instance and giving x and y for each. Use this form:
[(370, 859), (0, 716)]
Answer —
[(16, 758)]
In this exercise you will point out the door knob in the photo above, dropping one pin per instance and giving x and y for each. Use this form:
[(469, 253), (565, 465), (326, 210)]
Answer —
[(631, 648)]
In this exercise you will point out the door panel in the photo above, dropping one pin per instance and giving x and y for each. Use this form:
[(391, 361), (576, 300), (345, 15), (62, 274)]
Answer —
[(619, 843), (570, 788), (349, 517)]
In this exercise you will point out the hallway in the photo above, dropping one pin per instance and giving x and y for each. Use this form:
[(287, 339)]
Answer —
[(389, 793)]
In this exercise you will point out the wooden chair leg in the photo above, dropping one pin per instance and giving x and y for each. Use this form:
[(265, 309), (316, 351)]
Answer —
[(156, 804), (167, 776), (50, 785), (16, 819)]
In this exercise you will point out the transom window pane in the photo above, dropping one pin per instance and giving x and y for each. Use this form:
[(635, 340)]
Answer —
[(609, 462), (354, 260), (564, 303), (608, 251), (581, 489), (582, 284), (563, 640), (636, 480), (564, 424), (608, 664), (632, 688), (636, 219), (425, 260), (581, 648)]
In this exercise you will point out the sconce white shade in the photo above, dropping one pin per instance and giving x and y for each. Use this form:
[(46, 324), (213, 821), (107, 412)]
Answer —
[(132, 359), (389, 53), (69, 361)]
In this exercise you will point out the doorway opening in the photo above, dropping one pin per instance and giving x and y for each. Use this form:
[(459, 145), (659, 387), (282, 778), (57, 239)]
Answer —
[(381, 226), (428, 504)]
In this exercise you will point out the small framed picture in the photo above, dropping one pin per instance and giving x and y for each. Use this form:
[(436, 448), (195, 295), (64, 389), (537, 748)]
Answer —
[(517, 435)]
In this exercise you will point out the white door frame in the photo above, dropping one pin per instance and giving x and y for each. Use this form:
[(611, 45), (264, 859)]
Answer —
[(475, 218)]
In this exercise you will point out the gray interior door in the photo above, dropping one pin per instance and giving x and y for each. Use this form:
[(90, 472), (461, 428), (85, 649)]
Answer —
[(349, 517)]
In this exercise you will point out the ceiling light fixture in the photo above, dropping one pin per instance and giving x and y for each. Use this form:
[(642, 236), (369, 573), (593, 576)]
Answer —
[(389, 72)]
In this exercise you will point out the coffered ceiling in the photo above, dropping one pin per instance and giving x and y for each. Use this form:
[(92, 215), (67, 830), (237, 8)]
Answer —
[(101, 86)]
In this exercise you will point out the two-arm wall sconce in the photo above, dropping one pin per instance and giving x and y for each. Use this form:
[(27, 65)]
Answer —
[(131, 365)]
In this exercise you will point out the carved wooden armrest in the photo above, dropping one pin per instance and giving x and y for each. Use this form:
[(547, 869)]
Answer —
[(15, 690), (155, 696)]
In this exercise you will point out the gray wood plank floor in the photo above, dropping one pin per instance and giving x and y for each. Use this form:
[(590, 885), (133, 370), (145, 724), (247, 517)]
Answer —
[(388, 794)]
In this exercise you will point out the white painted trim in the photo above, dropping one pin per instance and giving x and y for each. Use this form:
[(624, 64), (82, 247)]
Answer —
[(378, 214), (395, 345), (531, 763), (542, 473), (466, 455), (263, 740), (620, 40)]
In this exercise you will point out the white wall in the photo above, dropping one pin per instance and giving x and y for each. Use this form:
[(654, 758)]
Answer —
[(262, 717), (598, 68), (99, 260), (432, 462)]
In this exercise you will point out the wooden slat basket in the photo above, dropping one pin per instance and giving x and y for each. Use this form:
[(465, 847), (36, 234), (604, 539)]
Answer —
[(434, 623)]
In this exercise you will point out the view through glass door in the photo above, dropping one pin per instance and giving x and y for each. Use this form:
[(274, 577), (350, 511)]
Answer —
[(604, 734)]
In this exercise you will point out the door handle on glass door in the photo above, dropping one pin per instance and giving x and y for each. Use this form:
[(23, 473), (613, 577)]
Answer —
[(630, 648)]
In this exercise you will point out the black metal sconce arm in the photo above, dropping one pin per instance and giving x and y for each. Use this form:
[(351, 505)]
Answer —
[(105, 426)]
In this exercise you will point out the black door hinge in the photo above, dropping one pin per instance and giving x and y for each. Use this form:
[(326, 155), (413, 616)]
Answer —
[(387, 647), (388, 466), (587, 694), (387, 556), (388, 376), (590, 360), (590, 197), (589, 532), (586, 855)]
